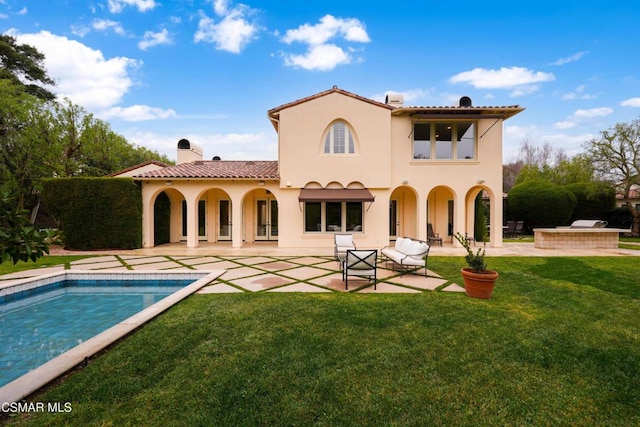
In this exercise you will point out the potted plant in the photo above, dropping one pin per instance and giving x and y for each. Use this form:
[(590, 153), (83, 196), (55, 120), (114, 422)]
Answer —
[(478, 280)]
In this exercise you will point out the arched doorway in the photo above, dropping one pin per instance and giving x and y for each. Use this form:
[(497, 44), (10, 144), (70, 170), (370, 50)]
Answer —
[(261, 215), (403, 207), (441, 211)]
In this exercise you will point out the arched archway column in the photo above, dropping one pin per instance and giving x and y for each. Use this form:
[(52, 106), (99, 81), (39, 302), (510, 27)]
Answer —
[(148, 199), (495, 221)]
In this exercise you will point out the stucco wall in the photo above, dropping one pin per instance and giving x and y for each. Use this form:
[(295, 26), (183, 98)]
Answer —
[(301, 131)]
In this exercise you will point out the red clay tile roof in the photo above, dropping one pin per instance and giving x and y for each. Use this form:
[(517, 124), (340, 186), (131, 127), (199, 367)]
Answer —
[(274, 111), (140, 165), (217, 169)]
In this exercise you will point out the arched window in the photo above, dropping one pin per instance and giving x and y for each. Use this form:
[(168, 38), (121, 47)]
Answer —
[(339, 140)]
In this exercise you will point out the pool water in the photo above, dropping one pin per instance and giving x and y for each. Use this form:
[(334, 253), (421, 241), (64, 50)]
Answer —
[(39, 325)]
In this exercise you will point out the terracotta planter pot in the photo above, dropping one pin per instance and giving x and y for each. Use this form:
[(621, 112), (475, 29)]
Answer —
[(479, 285)]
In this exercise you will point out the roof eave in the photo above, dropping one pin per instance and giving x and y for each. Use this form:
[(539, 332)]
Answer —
[(459, 112)]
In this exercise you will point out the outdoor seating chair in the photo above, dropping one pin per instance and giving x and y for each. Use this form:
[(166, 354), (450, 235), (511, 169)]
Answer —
[(432, 237), (519, 231), (469, 239), (511, 229), (360, 263), (341, 244)]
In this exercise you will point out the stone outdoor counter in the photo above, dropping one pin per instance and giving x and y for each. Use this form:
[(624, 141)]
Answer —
[(577, 238)]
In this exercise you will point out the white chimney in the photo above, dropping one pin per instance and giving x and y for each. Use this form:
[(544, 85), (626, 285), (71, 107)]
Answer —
[(188, 151), (394, 99)]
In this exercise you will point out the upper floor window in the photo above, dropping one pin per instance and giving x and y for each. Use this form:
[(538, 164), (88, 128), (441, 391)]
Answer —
[(339, 139), (444, 141)]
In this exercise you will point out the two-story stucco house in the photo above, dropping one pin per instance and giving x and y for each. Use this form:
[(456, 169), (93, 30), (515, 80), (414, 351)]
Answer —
[(346, 164)]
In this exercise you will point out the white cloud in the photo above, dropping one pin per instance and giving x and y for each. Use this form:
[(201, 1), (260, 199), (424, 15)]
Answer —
[(583, 115), (22, 11), (151, 39), (578, 93), (136, 113), (572, 58), (80, 30), (631, 102), (521, 80), (565, 125), (322, 55), (233, 32), (106, 24), (231, 146), (220, 7), (592, 113), (570, 144), (117, 6), (82, 74), (329, 27)]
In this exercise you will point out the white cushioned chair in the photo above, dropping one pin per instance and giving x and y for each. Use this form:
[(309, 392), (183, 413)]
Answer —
[(342, 243), (360, 263)]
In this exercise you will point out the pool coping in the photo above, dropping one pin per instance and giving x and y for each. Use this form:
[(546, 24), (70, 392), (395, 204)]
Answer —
[(33, 380)]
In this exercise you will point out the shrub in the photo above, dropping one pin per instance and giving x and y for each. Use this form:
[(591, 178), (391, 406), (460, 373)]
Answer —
[(96, 213), (594, 200), (619, 218), (541, 204)]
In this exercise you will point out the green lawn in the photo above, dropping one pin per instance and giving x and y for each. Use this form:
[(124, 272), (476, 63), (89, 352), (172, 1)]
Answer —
[(559, 344), (47, 261)]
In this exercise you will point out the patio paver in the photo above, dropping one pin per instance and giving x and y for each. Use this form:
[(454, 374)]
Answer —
[(219, 288), (262, 282), (255, 273), (299, 287), (304, 273)]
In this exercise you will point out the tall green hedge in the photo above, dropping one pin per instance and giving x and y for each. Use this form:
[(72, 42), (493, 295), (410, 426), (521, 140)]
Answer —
[(594, 200), (96, 213), (541, 204)]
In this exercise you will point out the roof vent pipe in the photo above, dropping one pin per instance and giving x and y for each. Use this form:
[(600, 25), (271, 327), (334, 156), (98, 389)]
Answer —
[(216, 158)]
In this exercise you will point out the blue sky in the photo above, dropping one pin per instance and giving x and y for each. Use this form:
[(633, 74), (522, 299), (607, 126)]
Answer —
[(208, 71)]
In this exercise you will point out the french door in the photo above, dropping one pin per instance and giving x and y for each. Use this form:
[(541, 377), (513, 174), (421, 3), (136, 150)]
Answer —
[(224, 220), (266, 219), (202, 220), (394, 223)]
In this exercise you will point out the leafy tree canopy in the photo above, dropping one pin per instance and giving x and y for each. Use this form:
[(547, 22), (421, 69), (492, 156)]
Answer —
[(24, 65), (616, 156)]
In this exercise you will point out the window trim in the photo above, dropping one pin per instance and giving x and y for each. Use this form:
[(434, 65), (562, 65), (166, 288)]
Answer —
[(455, 140), (328, 140), (323, 219)]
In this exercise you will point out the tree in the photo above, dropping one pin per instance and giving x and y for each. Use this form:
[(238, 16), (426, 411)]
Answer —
[(24, 152), (616, 156), (20, 62), (19, 240), (510, 173), (87, 146)]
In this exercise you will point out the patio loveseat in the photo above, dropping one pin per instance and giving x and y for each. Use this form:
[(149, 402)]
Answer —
[(407, 254)]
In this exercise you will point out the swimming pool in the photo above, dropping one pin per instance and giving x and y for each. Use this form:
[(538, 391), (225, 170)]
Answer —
[(51, 324)]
